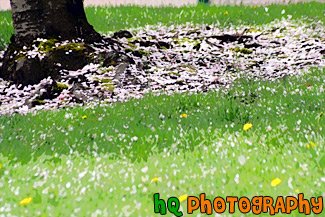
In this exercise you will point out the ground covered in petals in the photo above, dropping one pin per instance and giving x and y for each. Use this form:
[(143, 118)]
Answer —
[(178, 59)]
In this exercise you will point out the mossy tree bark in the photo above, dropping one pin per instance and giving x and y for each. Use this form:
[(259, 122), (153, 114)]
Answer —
[(49, 19), (61, 19)]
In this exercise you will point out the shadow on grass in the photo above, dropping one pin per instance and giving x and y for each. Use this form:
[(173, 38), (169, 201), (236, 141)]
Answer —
[(137, 128)]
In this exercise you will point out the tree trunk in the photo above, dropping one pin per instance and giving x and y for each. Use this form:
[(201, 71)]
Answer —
[(61, 19), (49, 19)]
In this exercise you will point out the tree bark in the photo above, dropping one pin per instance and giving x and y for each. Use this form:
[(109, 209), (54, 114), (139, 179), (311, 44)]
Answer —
[(61, 19), (48, 19)]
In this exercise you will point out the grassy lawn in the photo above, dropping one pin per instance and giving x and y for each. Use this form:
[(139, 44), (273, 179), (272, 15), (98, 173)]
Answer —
[(87, 159), (108, 19), (110, 160)]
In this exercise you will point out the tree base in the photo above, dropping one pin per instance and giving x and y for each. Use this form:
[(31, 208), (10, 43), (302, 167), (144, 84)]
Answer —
[(50, 57), (29, 65)]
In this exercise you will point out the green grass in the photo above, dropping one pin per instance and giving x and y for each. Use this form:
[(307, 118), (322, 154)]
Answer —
[(31, 136), (108, 19), (199, 153), (6, 28)]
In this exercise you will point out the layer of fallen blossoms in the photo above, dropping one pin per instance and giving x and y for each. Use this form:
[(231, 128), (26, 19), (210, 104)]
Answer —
[(187, 59)]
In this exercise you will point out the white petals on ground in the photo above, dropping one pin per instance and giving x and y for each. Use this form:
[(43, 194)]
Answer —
[(134, 139), (236, 179), (144, 169), (290, 183), (196, 61), (242, 159), (82, 174)]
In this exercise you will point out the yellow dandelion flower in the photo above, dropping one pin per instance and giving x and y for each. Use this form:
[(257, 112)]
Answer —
[(84, 117), (313, 144), (25, 201), (247, 126), (254, 7), (155, 179), (225, 13), (308, 146), (275, 182), (0, 166), (184, 115), (297, 190), (182, 198)]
